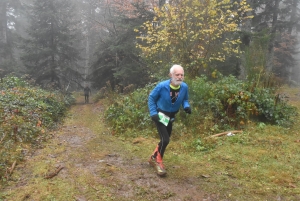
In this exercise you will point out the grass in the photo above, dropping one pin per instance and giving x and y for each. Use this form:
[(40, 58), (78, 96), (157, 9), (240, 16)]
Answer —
[(53, 153), (262, 163), (259, 162)]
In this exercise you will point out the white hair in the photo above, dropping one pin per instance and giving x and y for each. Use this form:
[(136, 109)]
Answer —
[(173, 68)]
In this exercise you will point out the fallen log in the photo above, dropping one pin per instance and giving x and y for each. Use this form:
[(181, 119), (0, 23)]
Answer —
[(53, 174), (225, 133)]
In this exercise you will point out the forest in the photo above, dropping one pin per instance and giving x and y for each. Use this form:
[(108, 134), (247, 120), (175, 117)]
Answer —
[(73, 43), (239, 58)]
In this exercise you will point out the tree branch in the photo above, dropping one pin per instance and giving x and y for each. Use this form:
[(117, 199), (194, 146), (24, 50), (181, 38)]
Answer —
[(225, 133)]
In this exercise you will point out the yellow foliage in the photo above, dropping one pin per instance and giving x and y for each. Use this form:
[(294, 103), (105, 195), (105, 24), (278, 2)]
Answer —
[(214, 74), (193, 30)]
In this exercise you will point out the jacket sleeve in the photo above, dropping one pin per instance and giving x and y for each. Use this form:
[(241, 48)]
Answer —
[(185, 102), (152, 99)]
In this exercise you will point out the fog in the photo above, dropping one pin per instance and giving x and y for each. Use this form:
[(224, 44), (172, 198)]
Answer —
[(87, 42)]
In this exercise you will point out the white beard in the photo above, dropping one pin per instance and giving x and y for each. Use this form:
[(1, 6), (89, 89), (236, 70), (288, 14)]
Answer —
[(176, 82)]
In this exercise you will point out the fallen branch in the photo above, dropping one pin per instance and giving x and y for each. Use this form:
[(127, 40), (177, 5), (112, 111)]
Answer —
[(54, 173), (12, 168), (2, 138), (94, 188), (225, 133)]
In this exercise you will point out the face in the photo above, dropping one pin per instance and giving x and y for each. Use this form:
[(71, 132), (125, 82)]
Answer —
[(177, 76)]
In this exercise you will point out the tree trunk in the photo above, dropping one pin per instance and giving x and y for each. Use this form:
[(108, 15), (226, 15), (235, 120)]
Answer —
[(88, 44), (290, 31), (3, 29), (3, 22), (293, 16), (87, 58), (53, 66), (270, 56), (161, 3), (246, 28)]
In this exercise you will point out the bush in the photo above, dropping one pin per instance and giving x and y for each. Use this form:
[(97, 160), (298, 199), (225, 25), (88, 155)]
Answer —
[(26, 113), (228, 103), (273, 108), (130, 111), (233, 104)]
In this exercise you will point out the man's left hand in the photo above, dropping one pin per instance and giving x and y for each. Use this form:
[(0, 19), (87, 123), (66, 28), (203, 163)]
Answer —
[(188, 110)]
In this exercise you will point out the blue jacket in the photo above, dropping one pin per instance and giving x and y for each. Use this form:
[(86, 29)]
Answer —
[(159, 99)]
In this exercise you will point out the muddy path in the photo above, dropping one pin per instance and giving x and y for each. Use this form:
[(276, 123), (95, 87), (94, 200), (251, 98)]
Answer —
[(95, 166)]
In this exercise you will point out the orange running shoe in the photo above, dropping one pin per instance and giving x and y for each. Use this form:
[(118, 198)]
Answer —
[(158, 165)]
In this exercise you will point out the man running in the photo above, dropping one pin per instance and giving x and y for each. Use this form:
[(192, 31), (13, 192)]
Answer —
[(164, 102)]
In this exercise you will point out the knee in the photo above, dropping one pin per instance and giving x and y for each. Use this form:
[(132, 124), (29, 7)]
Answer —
[(165, 142)]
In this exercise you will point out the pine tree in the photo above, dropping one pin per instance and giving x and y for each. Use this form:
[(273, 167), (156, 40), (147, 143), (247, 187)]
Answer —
[(117, 58), (9, 9), (277, 18), (50, 52)]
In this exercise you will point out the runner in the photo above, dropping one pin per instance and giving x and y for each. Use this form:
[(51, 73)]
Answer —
[(164, 102)]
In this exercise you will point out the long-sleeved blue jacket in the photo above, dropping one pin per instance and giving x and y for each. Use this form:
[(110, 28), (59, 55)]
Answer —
[(160, 100)]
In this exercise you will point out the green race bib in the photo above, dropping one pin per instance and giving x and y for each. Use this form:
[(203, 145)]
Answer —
[(164, 119)]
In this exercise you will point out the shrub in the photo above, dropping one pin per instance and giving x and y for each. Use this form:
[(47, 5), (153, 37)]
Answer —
[(130, 111), (233, 103), (228, 103), (273, 108), (26, 112)]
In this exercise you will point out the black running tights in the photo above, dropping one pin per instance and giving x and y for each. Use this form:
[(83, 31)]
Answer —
[(164, 134)]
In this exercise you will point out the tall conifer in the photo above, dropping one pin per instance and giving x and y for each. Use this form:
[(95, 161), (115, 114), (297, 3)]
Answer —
[(51, 52)]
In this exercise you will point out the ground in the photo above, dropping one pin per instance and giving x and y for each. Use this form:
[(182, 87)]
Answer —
[(84, 160), (94, 166)]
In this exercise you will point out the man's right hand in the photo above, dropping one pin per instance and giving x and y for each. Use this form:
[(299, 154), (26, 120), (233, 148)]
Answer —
[(155, 118), (188, 110)]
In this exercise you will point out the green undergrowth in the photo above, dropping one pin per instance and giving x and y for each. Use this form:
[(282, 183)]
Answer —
[(77, 182), (224, 104), (26, 112), (259, 163)]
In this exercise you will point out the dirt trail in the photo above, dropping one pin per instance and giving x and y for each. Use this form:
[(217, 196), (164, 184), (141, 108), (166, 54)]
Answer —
[(96, 167)]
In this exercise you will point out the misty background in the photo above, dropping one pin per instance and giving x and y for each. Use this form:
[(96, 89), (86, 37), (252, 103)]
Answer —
[(69, 44)]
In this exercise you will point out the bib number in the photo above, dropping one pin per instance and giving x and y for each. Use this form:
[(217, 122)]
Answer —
[(164, 119)]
